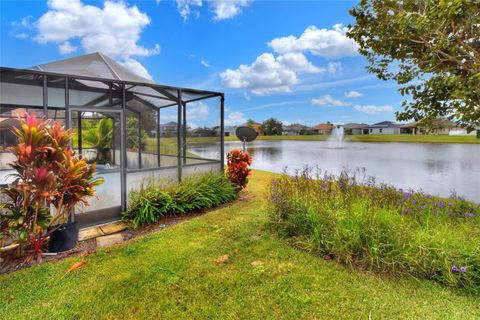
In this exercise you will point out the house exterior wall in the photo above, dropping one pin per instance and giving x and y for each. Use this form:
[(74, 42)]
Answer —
[(387, 130)]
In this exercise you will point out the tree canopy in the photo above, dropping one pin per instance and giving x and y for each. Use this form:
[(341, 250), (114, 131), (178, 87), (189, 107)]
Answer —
[(272, 127), (430, 48)]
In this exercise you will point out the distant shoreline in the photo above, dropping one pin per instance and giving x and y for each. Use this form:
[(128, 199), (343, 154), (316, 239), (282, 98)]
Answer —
[(407, 138)]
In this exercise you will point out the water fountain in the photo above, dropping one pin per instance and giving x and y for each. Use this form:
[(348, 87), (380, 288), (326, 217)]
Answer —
[(336, 139)]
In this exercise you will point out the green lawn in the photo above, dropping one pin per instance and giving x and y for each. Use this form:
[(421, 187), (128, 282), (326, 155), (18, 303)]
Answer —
[(378, 138), (172, 275)]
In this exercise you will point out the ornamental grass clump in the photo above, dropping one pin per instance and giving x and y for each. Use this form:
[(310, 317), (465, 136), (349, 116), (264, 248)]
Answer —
[(362, 223), (157, 199)]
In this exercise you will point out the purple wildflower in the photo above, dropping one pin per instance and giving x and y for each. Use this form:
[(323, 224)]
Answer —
[(404, 213), (455, 268), (423, 206), (407, 195), (441, 205), (463, 269), (399, 202), (409, 211), (324, 186), (413, 200), (293, 177), (471, 214)]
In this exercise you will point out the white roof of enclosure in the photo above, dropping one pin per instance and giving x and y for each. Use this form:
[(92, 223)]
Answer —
[(95, 65), (89, 70)]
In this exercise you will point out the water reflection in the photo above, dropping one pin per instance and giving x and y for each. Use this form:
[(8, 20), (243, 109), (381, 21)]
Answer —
[(435, 168)]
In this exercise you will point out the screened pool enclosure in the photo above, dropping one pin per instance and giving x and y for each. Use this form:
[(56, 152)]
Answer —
[(133, 128)]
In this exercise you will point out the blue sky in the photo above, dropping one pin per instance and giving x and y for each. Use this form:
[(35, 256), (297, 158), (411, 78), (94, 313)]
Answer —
[(286, 59)]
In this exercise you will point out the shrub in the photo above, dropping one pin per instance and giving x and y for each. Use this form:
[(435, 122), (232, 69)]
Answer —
[(237, 167), (155, 200), (360, 222), (48, 174)]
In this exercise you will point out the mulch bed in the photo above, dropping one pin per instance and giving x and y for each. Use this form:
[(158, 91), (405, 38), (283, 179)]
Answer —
[(15, 260)]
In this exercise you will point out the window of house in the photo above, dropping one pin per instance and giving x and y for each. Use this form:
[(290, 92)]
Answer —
[(380, 130)]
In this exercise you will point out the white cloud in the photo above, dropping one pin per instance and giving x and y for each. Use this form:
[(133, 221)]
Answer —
[(327, 100), (184, 7), (223, 9), (197, 110), (269, 74), (205, 63), (371, 109), (113, 30), (235, 118), (66, 48), (353, 94), (334, 68), (20, 28), (328, 43), (226, 9), (136, 67)]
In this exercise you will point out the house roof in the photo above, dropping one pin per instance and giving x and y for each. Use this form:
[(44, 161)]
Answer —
[(95, 65), (323, 126), (296, 126), (355, 126), (384, 124), (171, 123)]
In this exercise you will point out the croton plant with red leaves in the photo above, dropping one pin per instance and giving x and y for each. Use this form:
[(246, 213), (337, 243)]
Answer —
[(48, 174), (238, 170)]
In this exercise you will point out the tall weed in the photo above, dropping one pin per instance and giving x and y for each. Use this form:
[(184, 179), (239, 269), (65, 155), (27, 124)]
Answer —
[(360, 222)]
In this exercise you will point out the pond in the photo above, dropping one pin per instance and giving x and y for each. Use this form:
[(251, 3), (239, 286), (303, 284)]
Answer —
[(437, 169)]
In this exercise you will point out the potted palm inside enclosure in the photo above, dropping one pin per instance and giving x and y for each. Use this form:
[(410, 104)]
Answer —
[(50, 180)]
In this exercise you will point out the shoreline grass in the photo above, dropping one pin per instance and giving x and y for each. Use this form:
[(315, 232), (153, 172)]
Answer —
[(172, 274), (404, 138)]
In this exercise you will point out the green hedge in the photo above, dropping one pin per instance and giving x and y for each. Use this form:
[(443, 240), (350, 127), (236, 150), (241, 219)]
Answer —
[(361, 223), (155, 200)]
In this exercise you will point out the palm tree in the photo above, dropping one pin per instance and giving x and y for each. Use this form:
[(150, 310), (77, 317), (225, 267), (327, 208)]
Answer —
[(100, 138)]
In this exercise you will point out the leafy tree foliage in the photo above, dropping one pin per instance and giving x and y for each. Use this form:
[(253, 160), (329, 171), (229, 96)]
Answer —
[(430, 48), (250, 122), (272, 127)]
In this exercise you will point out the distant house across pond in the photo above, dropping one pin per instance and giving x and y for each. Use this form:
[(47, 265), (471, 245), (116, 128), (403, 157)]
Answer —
[(437, 126), (230, 131), (384, 127), (356, 128), (295, 129), (322, 128)]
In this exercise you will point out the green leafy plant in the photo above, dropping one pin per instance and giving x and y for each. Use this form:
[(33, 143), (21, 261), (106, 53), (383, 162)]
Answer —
[(155, 200), (48, 174), (430, 48), (100, 138), (361, 223)]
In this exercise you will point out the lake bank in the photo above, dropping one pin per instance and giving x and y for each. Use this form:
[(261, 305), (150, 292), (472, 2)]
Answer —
[(407, 138)]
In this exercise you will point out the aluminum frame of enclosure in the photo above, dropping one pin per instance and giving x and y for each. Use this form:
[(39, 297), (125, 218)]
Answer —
[(175, 97)]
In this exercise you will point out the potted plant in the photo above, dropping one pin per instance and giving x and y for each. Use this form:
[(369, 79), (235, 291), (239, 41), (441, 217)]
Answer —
[(50, 180)]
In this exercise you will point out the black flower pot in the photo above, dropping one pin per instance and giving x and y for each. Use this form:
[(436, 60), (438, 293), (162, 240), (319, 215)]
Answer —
[(64, 238)]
